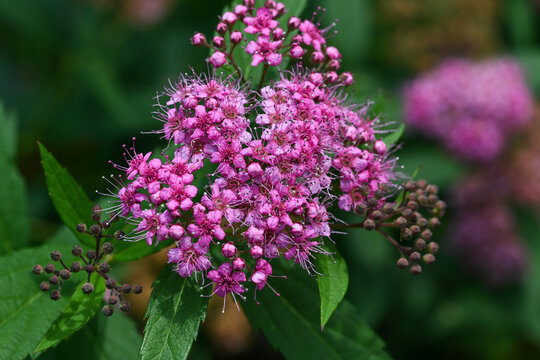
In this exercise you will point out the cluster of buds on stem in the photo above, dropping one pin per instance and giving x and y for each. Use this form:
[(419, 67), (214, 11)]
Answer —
[(269, 44), (415, 214), (91, 261)]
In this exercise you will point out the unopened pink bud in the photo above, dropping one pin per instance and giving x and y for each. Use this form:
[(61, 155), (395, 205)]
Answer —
[(380, 147), (333, 65), (277, 33), (294, 23), (317, 57), (316, 78), (236, 37), (176, 232), (198, 39), (333, 53), (297, 229), (296, 39), (240, 10), (297, 52), (229, 18), (238, 264), (256, 252), (331, 77), (218, 41), (346, 78), (221, 28), (228, 250), (218, 59), (255, 170)]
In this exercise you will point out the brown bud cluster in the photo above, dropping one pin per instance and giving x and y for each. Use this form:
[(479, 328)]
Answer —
[(91, 260)]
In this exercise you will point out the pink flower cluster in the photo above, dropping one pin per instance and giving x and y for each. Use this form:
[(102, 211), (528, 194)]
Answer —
[(268, 43), (471, 107), (274, 182)]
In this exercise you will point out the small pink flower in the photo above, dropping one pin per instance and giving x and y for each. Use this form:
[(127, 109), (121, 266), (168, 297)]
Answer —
[(264, 50), (218, 59), (198, 39)]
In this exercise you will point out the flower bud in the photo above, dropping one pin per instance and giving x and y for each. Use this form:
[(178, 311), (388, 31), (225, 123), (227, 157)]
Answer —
[(333, 53), (126, 288), (415, 256), (76, 251), (277, 34), (75, 267), (56, 255), (236, 37), (317, 57), (87, 288), (125, 306), (91, 254), (401, 222), (218, 41), (104, 268), (376, 215), (293, 23), (410, 185), (81, 227), (44, 286), (110, 284), (37, 269), (369, 225), (428, 259), (96, 216), (65, 274), (137, 289), (422, 222), (96, 208), (331, 77), (49, 269), (119, 234), (107, 248), (229, 18), (95, 229), (420, 244), (107, 310), (334, 65), (416, 269), (112, 300), (228, 250), (218, 59), (316, 78), (406, 234), (89, 268), (402, 263), (221, 28), (240, 10), (346, 78), (239, 264), (415, 229), (297, 52), (256, 252), (426, 234), (54, 280), (55, 295), (433, 247), (434, 222)]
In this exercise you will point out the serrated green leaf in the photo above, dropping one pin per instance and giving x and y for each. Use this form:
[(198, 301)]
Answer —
[(174, 314), (67, 196), (25, 311), (130, 251), (291, 324), (101, 339), (79, 309), (14, 212), (333, 282)]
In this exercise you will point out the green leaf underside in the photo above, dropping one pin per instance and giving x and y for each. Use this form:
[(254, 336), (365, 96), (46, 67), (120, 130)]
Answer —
[(290, 322), (25, 311), (174, 314), (111, 338), (14, 212), (67, 196), (333, 282), (77, 312)]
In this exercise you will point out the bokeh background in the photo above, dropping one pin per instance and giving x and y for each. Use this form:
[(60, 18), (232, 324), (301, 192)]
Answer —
[(80, 76)]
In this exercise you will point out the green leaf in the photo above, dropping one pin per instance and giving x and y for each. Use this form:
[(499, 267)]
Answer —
[(101, 339), (333, 282), (68, 197), (14, 212), (174, 313), (26, 312), (77, 312), (290, 322)]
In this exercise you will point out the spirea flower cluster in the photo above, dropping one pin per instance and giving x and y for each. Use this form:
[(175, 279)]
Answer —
[(280, 157), (471, 107)]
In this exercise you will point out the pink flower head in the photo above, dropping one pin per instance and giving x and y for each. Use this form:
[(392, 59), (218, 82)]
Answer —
[(262, 23), (264, 50), (154, 224), (188, 257), (262, 271), (227, 280), (311, 35)]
